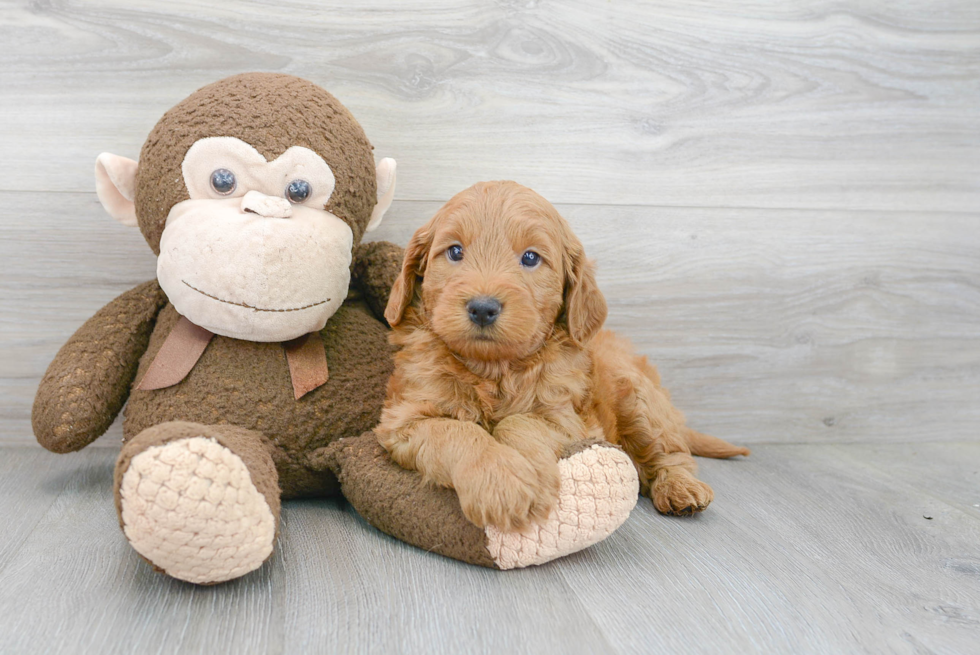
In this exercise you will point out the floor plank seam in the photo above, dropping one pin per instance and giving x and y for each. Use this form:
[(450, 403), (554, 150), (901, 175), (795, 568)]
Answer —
[(625, 205), (25, 536)]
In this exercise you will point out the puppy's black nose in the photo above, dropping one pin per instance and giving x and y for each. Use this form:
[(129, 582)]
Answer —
[(483, 310)]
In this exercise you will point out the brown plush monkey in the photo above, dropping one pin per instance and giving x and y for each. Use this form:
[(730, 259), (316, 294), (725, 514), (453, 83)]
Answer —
[(255, 365)]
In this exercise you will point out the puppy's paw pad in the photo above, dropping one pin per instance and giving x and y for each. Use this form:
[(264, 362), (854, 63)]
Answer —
[(598, 490)]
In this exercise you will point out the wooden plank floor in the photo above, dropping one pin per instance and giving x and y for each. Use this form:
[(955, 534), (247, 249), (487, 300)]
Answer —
[(807, 549), (783, 198)]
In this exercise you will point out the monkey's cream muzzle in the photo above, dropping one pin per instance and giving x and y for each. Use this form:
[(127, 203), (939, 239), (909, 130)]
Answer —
[(246, 262), (251, 276)]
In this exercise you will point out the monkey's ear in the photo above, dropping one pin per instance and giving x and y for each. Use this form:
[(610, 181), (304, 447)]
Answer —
[(115, 183), (386, 191)]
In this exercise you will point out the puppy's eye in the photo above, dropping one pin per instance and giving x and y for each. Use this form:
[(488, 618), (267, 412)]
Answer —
[(530, 259), (454, 253), (223, 181)]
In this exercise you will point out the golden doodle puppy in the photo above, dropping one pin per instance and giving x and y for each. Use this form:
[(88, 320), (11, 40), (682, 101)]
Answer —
[(503, 363)]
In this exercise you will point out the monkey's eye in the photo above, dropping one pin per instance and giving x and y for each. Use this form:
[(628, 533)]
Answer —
[(223, 181), (298, 191), (454, 253), (530, 259)]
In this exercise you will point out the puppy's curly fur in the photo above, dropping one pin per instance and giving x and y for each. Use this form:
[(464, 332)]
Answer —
[(484, 398)]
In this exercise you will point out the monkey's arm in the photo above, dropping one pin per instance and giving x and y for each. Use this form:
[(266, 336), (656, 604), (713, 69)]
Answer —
[(87, 383), (376, 266)]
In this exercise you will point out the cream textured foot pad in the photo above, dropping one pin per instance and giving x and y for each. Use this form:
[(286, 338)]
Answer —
[(190, 507), (599, 487)]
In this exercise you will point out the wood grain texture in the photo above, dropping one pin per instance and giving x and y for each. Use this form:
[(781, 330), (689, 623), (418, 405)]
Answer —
[(31, 480), (811, 104), (75, 585), (767, 325), (783, 199), (383, 596), (807, 549), (950, 471)]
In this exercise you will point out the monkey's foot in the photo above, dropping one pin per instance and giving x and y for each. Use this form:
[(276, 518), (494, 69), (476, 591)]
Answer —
[(189, 505), (599, 488)]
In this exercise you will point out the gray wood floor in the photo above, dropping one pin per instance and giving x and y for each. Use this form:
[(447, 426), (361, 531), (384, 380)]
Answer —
[(783, 198), (808, 549)]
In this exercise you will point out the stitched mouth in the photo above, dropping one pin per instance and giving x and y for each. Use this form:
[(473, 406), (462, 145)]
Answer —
[(253, 308)]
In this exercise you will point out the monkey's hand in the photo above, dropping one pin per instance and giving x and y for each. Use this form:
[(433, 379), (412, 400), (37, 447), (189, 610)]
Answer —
[(87, 383), (376, 266)]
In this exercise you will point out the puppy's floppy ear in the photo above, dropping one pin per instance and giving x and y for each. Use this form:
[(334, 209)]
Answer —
[(413, 267), (585, 306)]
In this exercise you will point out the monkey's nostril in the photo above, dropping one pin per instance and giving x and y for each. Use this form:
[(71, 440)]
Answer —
[(483, 310)]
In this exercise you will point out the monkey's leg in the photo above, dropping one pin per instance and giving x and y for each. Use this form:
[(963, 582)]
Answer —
[(199, 502), (599, 488)]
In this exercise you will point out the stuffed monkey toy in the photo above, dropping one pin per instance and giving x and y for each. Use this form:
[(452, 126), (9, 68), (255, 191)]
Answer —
[(255, 364)]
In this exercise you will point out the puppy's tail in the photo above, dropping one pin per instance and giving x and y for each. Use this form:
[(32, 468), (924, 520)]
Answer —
[(704, 445)]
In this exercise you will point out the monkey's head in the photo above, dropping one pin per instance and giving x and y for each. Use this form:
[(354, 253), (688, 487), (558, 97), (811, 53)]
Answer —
[(253, 193)]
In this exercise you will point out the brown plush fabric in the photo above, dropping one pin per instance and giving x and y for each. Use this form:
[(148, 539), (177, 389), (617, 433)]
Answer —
[(247, 384), (399, 503), (272, 112), (87, 383), (376, 267), (576, 447), (236, 382), (252, 447)]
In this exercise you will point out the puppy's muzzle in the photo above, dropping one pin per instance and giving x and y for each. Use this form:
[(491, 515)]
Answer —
[(483, 310)]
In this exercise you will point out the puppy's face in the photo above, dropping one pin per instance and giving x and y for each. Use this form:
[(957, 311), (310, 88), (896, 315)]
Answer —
[(493, 272), (494, 279)]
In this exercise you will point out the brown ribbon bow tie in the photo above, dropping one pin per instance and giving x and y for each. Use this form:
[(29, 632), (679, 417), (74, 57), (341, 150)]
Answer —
[(185, 344)]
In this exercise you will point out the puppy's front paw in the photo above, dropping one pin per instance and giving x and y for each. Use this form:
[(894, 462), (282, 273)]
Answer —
[(677, 491), (598, 485), (505, 490)]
